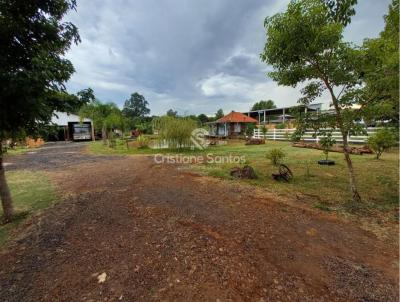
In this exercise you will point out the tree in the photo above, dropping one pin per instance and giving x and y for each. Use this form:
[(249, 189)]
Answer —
[(219, 114), (381, 70), (269, 104), (304, 44), (202, 118), (381, 141), (172, 113), (33, 70), (136, 106), (100, 114)]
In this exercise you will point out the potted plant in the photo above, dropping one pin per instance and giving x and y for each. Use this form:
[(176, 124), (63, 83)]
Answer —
[(327, 143)]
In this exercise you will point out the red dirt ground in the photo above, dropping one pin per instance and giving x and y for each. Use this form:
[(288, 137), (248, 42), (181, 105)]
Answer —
[(159, 232)]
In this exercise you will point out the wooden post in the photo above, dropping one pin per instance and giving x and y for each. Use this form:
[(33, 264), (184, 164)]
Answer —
[(283, 115), (91, 125)]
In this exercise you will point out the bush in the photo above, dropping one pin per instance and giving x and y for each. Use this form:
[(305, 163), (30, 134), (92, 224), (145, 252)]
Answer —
[(250, 130), (276, 156), (264, 131), (327, 143), (281, 126), (381, 141), (143, 141)]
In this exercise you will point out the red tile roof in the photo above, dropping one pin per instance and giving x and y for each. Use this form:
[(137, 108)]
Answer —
[(236, 117)]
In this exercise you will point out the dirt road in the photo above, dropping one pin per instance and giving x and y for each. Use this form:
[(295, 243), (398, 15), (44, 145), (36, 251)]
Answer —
[(128, 229)]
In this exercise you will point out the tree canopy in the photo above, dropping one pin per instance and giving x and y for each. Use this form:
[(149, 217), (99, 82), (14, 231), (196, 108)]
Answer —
[(33, 68), (172, 113), (220, 113), (381, 70), (269, 104), (136, 106)]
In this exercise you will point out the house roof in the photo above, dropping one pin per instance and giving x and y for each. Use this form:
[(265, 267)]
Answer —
[(236, 117)]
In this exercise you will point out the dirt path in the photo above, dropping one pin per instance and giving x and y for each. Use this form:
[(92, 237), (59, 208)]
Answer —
[(161, 233)]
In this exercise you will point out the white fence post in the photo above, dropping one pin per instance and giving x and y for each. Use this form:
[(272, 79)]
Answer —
[(274, 133)]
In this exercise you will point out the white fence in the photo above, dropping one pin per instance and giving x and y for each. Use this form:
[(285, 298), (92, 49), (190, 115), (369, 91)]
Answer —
[(285, 134)]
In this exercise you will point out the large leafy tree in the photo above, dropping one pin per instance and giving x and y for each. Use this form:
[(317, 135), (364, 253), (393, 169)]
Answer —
[(304, 46), (136, 106), (381, 70), (219, 114), (269, 104), (203, 118), (33, 70)]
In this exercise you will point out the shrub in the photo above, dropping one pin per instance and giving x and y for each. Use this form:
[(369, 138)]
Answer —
[(264, 131), (281, 126), (381, 141), (250, 130), (276, 156), (326, 143), (143, 141)]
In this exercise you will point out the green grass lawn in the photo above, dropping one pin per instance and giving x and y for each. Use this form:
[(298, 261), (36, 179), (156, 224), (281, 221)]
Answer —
[(327, 187), (323, 187), (31, 191)]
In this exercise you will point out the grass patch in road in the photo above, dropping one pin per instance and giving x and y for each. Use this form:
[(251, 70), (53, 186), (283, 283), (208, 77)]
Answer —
[(31, 191), (18, 150), (98, 148)]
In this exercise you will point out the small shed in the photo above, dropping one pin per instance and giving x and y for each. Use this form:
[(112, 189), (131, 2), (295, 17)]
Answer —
[(231, 125), (71, 128)]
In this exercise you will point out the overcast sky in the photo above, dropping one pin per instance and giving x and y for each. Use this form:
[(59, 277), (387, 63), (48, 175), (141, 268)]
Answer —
[(194, 56)]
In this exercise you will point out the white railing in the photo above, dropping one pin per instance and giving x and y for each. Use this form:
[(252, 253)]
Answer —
[(285, 135)]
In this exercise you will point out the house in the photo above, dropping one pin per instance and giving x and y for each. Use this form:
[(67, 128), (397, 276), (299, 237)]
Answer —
[(233, 124), (70, 127), (280, 115)]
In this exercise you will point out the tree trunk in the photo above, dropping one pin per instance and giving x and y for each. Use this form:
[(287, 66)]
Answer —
[(104, 136), (353, 185), (5, 196)]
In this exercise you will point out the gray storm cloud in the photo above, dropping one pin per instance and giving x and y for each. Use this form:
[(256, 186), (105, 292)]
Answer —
[(193, 56)]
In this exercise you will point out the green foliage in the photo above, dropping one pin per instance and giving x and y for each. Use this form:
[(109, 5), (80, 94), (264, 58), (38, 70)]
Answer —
[(381, 71), (264, 130), (33, 66), (381, 141), (341, 11), (250, 129), (143, 141), (175, 132), (297, 135), (269, 104), (276, 156), (136, 106), (281, 126), (327, 142), (203, 118), (98, 113), (219, 114), (172, 113)]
